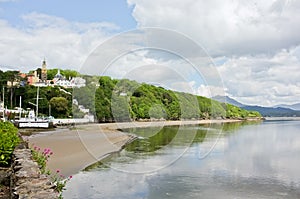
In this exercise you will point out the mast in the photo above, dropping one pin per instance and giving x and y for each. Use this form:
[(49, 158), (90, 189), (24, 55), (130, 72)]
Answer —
[(3, 102), (37, 101), (20, 110)]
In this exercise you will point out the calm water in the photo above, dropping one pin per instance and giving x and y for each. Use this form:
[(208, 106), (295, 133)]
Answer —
[(256, 160)]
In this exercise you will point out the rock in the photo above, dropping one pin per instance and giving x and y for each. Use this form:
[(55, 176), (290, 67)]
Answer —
[(28, 180)]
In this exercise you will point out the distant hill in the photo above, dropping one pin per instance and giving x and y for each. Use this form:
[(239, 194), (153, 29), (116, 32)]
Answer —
[(273, 112), (228, 100), (127, 100), (293, 106), (278, 111)]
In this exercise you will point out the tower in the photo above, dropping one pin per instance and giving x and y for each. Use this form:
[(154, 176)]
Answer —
[(44, 72)]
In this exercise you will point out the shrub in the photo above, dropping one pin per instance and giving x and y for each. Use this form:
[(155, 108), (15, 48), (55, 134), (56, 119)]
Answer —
[(60, 181), (42, 157), (8, 140)]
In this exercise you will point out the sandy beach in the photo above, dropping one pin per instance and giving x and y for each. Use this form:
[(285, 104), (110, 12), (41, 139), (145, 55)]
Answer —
[(75, 149)]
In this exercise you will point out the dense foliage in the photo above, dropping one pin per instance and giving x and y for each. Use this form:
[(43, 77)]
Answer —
[(60, 106), (8, 140), (67, 73), (125, 100), (84, 95), (117, 100)]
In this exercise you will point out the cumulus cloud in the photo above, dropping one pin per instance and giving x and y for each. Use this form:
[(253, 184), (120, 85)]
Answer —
[(265, 80), (210, 91), (155, 56), (63, 43), (255, 44), (167, 70), (226, 27)]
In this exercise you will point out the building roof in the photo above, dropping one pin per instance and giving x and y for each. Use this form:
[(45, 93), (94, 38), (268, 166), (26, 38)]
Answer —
[(59, 76)]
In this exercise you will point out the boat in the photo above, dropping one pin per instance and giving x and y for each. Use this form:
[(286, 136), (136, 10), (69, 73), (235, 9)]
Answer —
[(36, 123), (32, 121)]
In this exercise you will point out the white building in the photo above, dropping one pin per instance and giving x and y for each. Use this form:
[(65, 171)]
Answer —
[(60, 80)]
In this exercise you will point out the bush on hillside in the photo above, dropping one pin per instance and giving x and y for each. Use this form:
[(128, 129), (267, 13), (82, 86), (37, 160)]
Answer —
[(8, 140)]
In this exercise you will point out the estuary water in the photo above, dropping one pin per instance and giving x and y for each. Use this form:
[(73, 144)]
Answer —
[(234, 160)]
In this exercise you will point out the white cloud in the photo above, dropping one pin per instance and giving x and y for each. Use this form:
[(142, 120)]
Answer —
[(265, 80), (210, 91), (63, 43), (184, 86), (161, 68), (226, 27), (255, 44), (157, 56)]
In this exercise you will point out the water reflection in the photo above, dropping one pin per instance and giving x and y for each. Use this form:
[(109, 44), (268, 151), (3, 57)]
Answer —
[(249, 161), (151, 140)]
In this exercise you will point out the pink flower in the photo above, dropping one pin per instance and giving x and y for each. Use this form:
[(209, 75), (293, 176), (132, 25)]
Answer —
[(71, 177), (57, 171), (46, 151)]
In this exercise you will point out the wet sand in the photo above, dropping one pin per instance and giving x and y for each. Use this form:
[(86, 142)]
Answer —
[(74, 150)]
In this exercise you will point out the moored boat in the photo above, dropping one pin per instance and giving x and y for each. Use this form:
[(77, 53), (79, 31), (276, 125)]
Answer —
[(33, 123)]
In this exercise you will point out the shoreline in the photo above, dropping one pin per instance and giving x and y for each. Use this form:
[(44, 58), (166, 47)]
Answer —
[(75, 149)]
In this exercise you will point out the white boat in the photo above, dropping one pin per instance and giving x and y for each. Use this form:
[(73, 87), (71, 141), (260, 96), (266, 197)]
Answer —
[(33, 123)]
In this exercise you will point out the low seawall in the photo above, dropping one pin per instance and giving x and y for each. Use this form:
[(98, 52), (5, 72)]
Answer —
[(27, 178), (24, 179)]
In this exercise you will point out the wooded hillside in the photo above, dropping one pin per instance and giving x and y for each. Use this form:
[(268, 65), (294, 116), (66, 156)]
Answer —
[(125, 100)]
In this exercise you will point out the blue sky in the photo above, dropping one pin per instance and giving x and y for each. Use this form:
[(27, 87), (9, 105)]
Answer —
[(254, 44), (114, 11)]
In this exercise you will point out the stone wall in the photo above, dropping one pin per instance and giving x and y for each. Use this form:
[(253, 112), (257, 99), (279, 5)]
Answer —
[(27, 180), (5, 181)]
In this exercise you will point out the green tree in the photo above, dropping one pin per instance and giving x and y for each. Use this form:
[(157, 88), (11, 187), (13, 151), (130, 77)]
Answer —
[(51, 73), (103, 97), (76, 112), (120, 108), (11, 77), (86, 96), (69, 73), (59, 107), (3, 80)]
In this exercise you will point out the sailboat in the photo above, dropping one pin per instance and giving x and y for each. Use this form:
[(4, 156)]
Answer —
[(32, 121)]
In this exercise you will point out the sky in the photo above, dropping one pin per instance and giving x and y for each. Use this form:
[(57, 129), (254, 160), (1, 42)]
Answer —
[(253, 46)]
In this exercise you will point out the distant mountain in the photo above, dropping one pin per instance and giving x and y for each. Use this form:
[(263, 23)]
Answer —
[(278, 111), (228, 100), (293, 106), (273, 112)]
